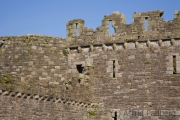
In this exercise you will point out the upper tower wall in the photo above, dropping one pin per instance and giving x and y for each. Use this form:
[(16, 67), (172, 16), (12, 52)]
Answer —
[(146, 25)]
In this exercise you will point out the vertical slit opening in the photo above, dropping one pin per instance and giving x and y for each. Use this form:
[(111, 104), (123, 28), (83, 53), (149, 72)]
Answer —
[(79, 81), (146, 24), (115, 116), (114, 75), (111, 29), (79, 68), (174, 64), (139, 37), (76, 29)]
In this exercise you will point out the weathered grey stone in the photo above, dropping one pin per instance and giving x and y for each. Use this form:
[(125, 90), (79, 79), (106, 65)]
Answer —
[(54, 83), (134, 69)]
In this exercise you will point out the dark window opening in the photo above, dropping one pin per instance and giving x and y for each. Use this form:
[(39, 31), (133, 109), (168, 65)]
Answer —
[(146, 24), (161, 16), (114, 75), (139, 37), (2, 43), (79, 81), (79, 68), (174, 64), (76, 29), (111, 29), (115, 116), (67, 88)]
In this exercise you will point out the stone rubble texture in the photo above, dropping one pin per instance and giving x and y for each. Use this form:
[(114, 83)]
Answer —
[(128, 75)]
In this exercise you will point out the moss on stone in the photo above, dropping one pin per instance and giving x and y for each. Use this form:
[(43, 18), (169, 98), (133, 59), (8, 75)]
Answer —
[(65, 52)]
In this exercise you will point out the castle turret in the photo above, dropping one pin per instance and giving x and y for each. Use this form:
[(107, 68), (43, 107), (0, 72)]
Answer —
[(74, 28)]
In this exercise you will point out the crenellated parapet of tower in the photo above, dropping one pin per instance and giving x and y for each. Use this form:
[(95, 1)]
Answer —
[(145, 26)]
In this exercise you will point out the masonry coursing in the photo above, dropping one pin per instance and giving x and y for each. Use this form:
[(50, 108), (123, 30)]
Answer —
[(91, 74)]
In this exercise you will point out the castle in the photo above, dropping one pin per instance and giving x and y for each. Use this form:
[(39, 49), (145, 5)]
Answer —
[(131, 74)]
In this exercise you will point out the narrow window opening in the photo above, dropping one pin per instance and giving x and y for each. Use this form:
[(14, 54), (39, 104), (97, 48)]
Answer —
[(2, 43), (114, 75), (174, 64), (161, 16), (139, 37), (79, 81), (146, 24), (79, 68), (111, 29), (115, 116), (67, 88), (76, 29)]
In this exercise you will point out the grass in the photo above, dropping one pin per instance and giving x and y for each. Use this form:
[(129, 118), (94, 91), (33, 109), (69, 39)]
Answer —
[(93, 113), (146, 62), (65, 52), (5, 79), (9, 87)]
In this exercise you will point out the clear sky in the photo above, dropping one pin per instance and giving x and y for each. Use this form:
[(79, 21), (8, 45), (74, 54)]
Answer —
[(49, 17)]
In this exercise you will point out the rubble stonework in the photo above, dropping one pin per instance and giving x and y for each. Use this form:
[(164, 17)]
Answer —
[(93, 75)]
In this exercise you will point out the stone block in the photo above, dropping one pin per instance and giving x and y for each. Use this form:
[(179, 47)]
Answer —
[(33, 73), (19, 95), (116, 70), (170, 68), (131, 57), (93, 55), (168, 57), (178, 69), (169, 64), (74, 70), (44, 73), (104, 56), (34, 47), (126, 97), (110, 63), (177, 63), (177, 58), (174, 54), (54, 83), (36, 97), (177, 113), (16, 56), (118, 74), (57, 67), (111, 75), (81, 76), (31, 63), (131, 45), (109, 69), (117, 66), (169, 72), (69, 70), (116, 62), (51, 62)]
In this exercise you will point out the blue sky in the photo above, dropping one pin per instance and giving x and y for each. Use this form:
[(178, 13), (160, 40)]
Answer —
[(49, 17)]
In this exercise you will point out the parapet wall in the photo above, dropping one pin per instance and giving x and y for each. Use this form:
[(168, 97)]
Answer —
[(157, 28)]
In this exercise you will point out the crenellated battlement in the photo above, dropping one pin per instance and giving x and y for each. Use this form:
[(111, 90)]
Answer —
[(145, 25)]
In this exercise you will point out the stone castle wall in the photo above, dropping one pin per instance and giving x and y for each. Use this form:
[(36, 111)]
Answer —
[(131, 74)]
